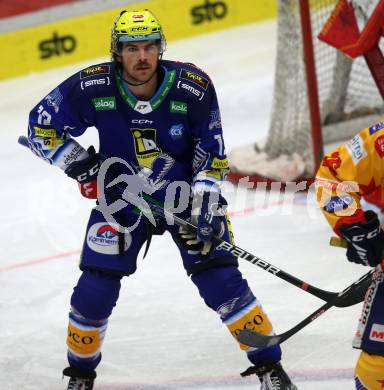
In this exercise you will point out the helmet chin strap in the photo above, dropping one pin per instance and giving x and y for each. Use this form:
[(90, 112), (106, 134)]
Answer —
[(144, 82)]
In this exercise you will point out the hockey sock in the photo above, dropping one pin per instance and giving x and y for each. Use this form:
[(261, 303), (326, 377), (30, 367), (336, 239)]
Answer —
[(84, 340), (92, 302), (369, 372)]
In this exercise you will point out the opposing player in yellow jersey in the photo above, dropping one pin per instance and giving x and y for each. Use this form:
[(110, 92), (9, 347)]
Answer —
[(347, 175)]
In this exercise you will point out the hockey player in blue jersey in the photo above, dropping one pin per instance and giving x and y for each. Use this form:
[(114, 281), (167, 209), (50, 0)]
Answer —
[(160, 119)]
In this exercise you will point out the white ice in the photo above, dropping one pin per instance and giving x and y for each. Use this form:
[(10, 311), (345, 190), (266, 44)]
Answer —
[(161, 335)]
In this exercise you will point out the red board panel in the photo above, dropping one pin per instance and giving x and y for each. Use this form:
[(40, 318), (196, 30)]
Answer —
[(16, 7)]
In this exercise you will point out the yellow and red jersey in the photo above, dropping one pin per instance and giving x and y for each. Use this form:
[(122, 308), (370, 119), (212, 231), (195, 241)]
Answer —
[(353, 171)]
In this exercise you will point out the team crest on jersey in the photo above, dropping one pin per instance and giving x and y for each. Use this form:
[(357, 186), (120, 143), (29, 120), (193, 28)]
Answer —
[(145, 146), (194, 78), (332, 162), (54, 99), (92, 70)]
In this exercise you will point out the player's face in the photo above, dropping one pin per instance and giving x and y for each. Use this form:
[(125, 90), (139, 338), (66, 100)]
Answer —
[(139, 60)]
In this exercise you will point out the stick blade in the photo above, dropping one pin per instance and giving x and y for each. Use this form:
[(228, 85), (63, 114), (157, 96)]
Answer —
[(257, 340)]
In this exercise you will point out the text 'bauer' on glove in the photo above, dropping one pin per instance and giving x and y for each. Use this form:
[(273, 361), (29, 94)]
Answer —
[(365, 240), (209, 215)]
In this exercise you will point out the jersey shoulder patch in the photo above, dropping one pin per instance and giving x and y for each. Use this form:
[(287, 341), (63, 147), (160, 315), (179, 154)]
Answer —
[(190, 80), (95, 75)]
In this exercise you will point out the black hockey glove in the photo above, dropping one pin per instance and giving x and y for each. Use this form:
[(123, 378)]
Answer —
[(365, 241), (85, 172), (208, 214)]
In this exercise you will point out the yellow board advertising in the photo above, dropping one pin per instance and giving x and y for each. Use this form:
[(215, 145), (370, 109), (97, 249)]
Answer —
[(80, 38)]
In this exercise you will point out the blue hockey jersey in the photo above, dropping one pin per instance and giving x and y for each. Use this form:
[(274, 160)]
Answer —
[(182, 120)]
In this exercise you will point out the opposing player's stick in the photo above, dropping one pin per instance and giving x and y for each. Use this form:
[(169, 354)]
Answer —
[(354, 296), (258, 340)]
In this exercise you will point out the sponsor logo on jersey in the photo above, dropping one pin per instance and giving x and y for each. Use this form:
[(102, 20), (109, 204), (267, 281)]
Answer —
[(104, 103), (219, 164), (104, 238), (178, 107), (93, 70), (332, 162), (89, 83), (337, 203), (44, 132), (145, 146), (190, 89), (333, 185), (376, 127), (377, 333), (54, 99), (368, 301), (176, 131), (356, 150), (194, 78), (379, 145), (52, 143)]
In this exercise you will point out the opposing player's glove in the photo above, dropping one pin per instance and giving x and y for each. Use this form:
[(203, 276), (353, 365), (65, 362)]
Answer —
[(85, 172), (208, 214), (365, 240)]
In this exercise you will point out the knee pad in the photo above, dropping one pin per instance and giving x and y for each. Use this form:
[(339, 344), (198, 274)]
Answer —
[(369, 372), (96, 294), (221, 285)]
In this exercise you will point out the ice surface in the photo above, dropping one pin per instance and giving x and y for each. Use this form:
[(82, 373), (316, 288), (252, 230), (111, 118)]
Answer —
[(161, 335)]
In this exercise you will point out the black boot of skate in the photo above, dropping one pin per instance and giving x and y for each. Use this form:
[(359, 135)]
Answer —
[(272, 377), (79, 379)]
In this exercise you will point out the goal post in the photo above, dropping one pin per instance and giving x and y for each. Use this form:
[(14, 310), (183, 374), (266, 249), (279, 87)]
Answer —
[(320, 94)]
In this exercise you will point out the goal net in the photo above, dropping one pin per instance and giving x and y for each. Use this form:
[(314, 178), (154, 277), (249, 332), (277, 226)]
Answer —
[(347, 98)]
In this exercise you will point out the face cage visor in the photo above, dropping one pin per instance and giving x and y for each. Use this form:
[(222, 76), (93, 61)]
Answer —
[(116, 47)]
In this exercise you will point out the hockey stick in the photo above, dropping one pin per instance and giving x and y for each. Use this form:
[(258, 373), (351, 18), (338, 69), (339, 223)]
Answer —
[(354, 297), (258, 340)]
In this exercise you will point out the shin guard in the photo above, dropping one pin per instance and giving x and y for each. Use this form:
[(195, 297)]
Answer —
[(369, 372)]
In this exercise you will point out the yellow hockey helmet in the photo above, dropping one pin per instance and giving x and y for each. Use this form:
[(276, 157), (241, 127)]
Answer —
[(132, 26)]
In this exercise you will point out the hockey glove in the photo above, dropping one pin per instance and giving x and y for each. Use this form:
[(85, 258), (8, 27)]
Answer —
[(85, 172), (208, 214), (365, 241)]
